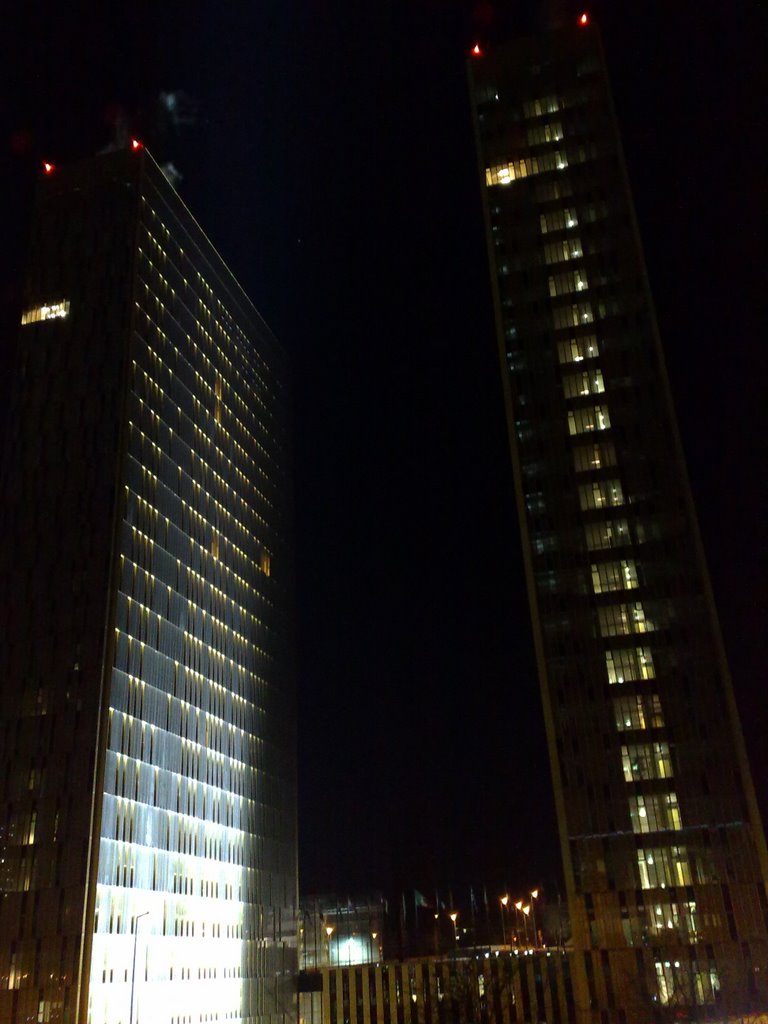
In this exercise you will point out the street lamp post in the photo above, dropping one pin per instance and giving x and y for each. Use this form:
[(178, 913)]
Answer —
[(534, 897), (519, 909), (136, 920), (454, 917), (503, 900), (526, 911)]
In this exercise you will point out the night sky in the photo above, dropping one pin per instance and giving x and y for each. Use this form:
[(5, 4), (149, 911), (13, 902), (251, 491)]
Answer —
[(326, 147)]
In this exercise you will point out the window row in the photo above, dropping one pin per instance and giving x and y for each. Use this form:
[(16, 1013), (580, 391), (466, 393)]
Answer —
[(676, 917), (558, 220), (584, 383), (512, 170), (629, 664), (611, 534), (587, 419), (677, 981), (544, 133), (655, 812), (573, 316), (623, 620), (660, 867), (52, 311), (646, 761), (638, 712), (561, 252), (608, 576), (566, 284), (543, 105), (576, 350), (600, 494), (587, 457)]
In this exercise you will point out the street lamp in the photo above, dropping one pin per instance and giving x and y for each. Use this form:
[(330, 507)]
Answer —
[(503, 900), (136, 920), (454, 917)]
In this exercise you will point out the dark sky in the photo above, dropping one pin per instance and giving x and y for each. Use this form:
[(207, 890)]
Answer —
[(331, 162)]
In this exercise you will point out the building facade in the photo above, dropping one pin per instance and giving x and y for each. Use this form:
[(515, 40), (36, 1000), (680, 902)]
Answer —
[(147, 746), (663, 850), (341, 930), (468, 987)]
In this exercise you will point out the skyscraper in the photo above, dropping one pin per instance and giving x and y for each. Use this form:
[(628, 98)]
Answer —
[(147, 752), (662, 846)]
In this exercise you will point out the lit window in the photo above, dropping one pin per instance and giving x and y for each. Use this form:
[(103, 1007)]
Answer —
[(646, 761), (608, 576), (601, 494), (575, 315), (677, 981), (661, 866), (676, 917), (511, 170), (608, 534), (545, 105), (638, 712), (558, 220), (562, 252), (624, 620), (655, 812), (591, 417), (51, 311), (565, 284), (588, 457), (629, 664), (586, 383), (575, 350), (544, 133)]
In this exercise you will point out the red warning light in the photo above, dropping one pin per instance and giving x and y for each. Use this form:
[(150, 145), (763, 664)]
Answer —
[(476, 51), (135, 144), (584, 19), (48, 168)]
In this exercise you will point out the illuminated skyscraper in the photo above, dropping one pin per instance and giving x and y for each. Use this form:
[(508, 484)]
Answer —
[(147, 751), (662, 845)]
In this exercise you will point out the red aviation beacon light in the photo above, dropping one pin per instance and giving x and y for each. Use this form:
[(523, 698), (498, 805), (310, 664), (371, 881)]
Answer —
[(584, 19), (476, 51)]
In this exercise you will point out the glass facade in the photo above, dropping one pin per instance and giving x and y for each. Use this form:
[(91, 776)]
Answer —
[(151, 864), (663, 848)]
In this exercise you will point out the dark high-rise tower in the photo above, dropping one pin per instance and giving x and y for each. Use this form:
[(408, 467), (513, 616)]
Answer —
[(662, 845), (147, 763)]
